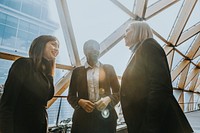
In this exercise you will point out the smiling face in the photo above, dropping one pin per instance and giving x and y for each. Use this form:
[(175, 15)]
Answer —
[(51, 50)]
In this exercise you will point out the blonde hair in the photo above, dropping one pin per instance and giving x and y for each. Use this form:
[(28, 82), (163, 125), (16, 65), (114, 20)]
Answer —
[(140, 31)]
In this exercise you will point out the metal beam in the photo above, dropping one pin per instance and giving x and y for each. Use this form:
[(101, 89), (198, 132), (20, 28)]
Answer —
[(64, 67), (197, 54), (187, 34), (12, 57), (170, 58), (191, 75), (60, 87), (158, 7), (123, 8), (179, 69), (114, 38), (8, 56), (140, 8), (197, 87), (167, 49), (183, 77), (68, 33), (160, 37), (183, 17), (194, 48), (193, 83)]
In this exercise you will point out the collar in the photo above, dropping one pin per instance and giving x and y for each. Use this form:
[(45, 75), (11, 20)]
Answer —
[(88, 65)]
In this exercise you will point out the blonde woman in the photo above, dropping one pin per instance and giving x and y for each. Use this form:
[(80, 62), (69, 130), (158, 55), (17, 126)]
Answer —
[(147, 97)]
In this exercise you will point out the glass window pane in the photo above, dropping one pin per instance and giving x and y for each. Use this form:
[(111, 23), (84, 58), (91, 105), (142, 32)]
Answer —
[(1, 32), (9, 37), (22, 40), (12, 21), (34, 28), (23, 25), (2, 18), (15, 4)]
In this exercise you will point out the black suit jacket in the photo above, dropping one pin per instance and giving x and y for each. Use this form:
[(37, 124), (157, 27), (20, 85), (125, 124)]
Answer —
[(23, 103), (78, 89), (147, 94)]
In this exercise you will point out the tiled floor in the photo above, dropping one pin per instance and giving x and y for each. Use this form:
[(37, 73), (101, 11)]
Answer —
[(194, 119)]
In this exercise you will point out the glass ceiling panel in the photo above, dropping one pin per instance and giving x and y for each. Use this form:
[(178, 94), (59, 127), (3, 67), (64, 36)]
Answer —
[(176, 81), (194, 18), (177, 94), (176, 60), (164, 21), (118, 57), (128, 4), (94, 19), (196, 60), (185, 46), (151, 2)]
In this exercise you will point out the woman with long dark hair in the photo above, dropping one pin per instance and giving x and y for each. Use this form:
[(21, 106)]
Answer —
[(28, 87)]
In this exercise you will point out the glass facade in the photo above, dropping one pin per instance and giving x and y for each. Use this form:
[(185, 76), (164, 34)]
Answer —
[(20, 22)]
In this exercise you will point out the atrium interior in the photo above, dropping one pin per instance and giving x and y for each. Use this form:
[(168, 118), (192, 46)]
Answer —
[(175, 24)]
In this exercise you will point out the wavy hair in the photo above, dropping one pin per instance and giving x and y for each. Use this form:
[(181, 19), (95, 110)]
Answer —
[(36, 50)]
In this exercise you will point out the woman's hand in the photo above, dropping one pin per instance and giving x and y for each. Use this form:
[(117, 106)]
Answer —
[(87, 105), (102, 103)]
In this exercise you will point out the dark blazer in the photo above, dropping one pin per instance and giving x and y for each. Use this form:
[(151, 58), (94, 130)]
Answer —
[(26, 92), (78, 89), (147, 97)]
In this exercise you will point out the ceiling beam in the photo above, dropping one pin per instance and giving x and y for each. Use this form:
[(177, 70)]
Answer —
[(158, 7), (8, 56), (197, 54), (197, 87), (193, 83), (170, 58), (140, 8), (194, 48), (181, 21), (65, 21), (191, 75), (183, 77), (123, 8), (114, 38), (179, 69), (187, 34), (12, 57), (60, 87)]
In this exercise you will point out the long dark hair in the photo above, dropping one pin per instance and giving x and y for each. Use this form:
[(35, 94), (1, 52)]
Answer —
[(37, 49)]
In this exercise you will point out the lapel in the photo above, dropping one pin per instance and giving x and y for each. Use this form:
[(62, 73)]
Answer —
[(84, 84)]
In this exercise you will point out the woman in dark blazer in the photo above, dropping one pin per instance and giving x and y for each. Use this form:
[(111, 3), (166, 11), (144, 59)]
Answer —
[(147, 99), (28, 88), (93, 93)]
